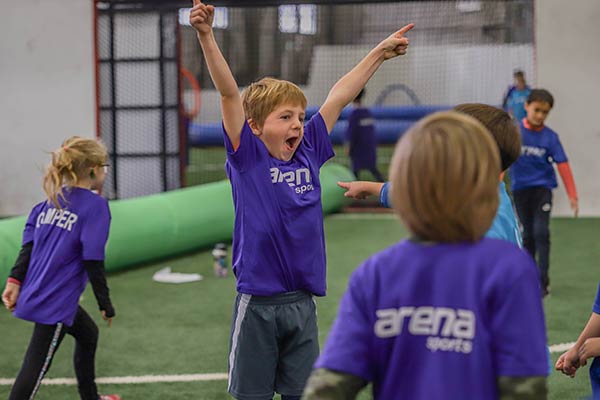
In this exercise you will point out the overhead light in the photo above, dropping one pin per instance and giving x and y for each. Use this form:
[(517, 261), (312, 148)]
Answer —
[(468, 6)]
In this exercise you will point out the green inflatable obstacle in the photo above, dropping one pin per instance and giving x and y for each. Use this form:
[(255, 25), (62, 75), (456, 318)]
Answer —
[(162, 225)]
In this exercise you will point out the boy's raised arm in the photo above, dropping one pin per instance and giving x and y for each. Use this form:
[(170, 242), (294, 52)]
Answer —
[(346, 89), (201, 18)]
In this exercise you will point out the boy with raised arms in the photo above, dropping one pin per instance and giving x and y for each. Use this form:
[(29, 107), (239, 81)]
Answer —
[(273, 162)]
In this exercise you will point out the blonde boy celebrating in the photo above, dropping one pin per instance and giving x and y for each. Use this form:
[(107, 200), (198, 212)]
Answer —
[(273, 162)]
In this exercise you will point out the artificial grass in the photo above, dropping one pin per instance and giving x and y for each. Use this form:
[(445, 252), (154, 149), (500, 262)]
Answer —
[(184, 329)]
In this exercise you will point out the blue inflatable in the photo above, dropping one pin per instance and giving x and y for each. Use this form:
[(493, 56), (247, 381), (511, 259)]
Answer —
[(390, 124)]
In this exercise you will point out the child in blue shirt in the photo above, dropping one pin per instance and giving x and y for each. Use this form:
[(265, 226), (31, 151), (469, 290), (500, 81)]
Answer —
[(532, 179), (516, 96), (278, 255), (507, 137)]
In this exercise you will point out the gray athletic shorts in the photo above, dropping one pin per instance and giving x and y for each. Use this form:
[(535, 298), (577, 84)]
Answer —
[(274, 344)]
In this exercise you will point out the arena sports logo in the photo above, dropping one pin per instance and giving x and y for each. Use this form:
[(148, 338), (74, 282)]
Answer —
[(298, 179), (448, 329)]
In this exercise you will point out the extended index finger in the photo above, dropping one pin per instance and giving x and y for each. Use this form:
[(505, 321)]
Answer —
[(405, 29)]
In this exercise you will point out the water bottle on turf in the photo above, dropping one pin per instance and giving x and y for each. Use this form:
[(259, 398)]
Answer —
[(219, 254)]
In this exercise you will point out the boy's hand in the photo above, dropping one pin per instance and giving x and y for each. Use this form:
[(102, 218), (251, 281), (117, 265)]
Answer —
[(10, 295), (107, 319), (589, 348), (360, 190), (396, 44), (575, 206), (201, 17), (568, 362)]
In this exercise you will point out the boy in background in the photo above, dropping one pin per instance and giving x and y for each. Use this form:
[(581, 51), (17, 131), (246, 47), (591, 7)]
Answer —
[(532, 179), (273, 163)]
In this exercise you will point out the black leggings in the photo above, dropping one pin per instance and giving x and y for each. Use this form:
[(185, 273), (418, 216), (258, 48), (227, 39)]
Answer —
[(42, 347), (533, 207)]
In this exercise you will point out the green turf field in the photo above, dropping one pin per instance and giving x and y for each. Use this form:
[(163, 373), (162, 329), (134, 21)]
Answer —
[(164, 329)]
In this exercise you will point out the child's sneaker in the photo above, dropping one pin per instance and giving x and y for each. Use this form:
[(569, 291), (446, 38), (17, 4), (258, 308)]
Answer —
[(109, 397)]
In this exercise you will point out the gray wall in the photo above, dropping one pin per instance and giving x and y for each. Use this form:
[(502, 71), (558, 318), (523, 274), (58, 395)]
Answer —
[(568, 64), (47, 90)]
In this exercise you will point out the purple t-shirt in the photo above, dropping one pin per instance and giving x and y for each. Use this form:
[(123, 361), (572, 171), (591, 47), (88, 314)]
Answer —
[(278, 238), (62, 239), (440, 321)]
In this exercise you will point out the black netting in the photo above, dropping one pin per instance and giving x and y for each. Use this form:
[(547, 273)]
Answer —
[(139, 98), (461, 51)]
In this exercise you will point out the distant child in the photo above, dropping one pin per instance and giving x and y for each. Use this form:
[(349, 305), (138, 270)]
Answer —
[(446, 314), (361, 140), (532, 179), (278, 253), (508, 140), (516, 96), (587, 346), (63, 247)]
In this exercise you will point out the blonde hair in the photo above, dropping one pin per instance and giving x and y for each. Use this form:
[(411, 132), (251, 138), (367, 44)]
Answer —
[(70, 163), (444, 178), (262, 97)]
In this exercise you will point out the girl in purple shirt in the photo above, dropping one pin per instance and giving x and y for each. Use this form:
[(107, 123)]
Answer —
[(62, 248)]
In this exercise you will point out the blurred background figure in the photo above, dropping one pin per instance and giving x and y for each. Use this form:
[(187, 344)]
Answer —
[(361, 140), (516, 96)]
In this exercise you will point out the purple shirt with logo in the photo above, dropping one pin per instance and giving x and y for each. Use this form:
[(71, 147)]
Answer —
[(62, 239), (440, 321), (278, 238)]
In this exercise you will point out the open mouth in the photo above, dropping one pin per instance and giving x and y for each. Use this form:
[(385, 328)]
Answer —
[(291, 142)]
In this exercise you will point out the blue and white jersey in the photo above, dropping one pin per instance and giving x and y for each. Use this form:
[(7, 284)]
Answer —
[(540, 149)]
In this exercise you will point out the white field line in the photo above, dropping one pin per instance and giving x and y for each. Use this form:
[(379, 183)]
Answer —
[(133, 379), (561, 347), (556, 348)]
